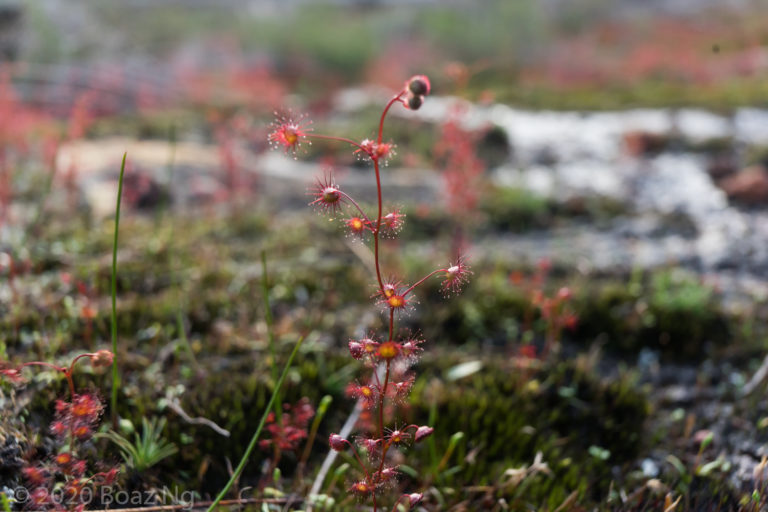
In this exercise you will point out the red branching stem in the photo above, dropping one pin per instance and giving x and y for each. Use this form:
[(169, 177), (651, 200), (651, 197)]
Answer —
[(75, 360), (417, 283), (377, 230), (384, 114), (385, 444), (354, 203), (381, 411), (67, 373), (71, 386), (359, 461), (362, 466), (337, 139), (47, 365), (384, 450)]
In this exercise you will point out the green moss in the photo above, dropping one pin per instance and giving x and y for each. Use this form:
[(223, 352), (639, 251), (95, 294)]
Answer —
[(516, 209), (508, 415), (512, 209), (667, 310), (234, 396)]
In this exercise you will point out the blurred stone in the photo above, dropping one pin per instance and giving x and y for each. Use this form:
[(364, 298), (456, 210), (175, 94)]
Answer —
[(748, 187), (640, 143), (650, 468), (494, 147), (721, 166), (545, 156)]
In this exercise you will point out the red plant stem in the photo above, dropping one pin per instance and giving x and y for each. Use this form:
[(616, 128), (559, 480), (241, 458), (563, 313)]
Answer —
[(381, 406), (417, 283), (47, 365), (72, 364), (354, 203), (359, 461), (63, 369), (376, 232), (384, 114), (378, 223), (338, 139), (384, 451), (71, 384), (66, 371), (385, 445)]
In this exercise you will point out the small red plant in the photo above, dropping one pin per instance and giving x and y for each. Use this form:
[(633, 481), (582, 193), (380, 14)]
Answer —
[(554, 309), (62, 482), (391, 355), (455, 155), (287, 431)]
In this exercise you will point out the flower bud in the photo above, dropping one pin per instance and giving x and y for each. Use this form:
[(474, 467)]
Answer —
[(356, 349), (101, 358), (414, 498), (414, 101), (422, 432), (369, 444), (419, 85), (388, 473), (337, 442)]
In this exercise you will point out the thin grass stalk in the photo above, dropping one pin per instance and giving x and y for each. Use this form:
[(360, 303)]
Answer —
[(115, 374), (272, 400), (270, 334)]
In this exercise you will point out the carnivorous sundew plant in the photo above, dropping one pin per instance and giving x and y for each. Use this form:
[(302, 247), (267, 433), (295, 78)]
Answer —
[(390, 356), (62, 481)]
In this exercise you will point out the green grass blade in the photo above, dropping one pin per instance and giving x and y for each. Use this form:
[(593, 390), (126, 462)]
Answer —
[(255, 438), (270, 334), (115, 374)]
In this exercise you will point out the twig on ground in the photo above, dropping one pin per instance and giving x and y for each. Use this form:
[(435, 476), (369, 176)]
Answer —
[(332, 454), (176, 407), (203, 504), (759, 376)]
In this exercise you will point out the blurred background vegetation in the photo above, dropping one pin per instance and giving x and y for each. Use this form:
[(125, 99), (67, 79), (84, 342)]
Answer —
[(613, 152)]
